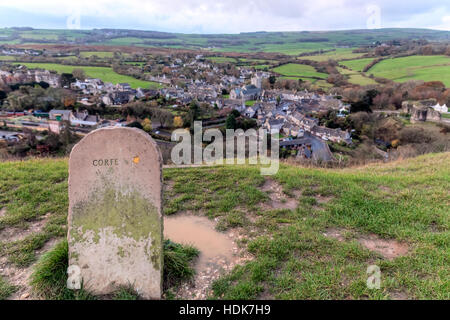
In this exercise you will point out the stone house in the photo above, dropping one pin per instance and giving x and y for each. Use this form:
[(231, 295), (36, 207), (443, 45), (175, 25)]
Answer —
[(274, 125), (421, 110), (335, 135), (249, 92)]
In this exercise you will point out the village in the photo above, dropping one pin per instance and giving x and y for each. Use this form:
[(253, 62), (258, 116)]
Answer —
[(284, 112)]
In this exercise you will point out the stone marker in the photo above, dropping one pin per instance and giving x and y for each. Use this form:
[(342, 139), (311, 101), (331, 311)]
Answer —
[(115, 220)]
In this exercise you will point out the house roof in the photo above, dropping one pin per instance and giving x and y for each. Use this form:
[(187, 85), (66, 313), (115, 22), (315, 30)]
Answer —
[(294, 142), (275, 122), (251, 89), (55, 111)]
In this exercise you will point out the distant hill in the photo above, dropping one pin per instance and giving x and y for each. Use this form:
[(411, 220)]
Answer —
[(283, 42)]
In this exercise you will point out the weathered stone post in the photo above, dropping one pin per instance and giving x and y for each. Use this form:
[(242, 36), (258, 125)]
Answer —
[(115, 220)]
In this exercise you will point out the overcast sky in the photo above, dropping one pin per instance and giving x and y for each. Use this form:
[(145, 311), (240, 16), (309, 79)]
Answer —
[(226, 16)]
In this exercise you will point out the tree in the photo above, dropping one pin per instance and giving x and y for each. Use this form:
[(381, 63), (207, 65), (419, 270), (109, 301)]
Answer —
[(135, 124), (230, 123), (79, 74), (236, 113), (177, 122), (43, 84), (67, 79), (193, 113), (272, 80), (147, 125)]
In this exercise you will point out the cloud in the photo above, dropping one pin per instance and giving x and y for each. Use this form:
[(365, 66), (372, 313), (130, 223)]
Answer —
[(226, 16)]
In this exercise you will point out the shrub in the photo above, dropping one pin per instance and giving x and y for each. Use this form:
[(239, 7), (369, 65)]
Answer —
[(414, 135)]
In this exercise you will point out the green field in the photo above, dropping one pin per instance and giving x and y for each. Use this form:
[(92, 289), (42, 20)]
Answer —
[(312, 251), (135, 63), (104, 73), (100, 54), (299, 70), (426, 68), (7, 58), (357, 64), (355, 77), (256, 60), (338, 54), (261, 67)]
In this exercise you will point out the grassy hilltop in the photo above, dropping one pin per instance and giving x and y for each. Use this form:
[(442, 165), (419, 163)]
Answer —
[(308, 230)]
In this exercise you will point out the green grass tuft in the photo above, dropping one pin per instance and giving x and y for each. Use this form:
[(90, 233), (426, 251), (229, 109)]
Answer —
[(49, 277), (125, 293), (177, 260), (6, 289)]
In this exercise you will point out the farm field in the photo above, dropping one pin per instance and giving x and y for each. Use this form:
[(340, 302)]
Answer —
[(261, 67), (426, 68), (104, 73), (355, 77), (299, 70), (256, 60), (135, 63), (317, 249), (338, 54), (67, 58), (357, 64), (100, 54), (7, 58)]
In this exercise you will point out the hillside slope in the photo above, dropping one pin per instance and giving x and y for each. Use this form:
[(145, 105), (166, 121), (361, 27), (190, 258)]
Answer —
[(283, 42), (311, 233)]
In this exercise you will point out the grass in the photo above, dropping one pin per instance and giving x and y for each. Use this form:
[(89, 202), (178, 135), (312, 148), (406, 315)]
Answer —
[(135, 63), (7, 58), (26, 201), (338, 54), (49, 277), (6, 289), (177, 263), (292, 259), (357, 64), (104, 73), (264, 67), (100, 54), (426, 68), (125, 293), (299, 70), (356, 77)]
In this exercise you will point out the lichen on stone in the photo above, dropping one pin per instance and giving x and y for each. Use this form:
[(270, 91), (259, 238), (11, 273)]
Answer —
[(128, 214)]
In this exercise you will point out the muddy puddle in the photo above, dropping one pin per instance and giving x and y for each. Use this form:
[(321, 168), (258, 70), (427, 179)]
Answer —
[(199, 232), (218, 251)]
